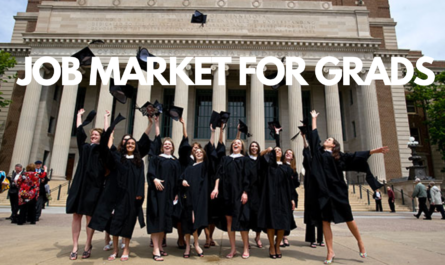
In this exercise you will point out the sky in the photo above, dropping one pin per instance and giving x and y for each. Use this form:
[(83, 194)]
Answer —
[(420, 24)]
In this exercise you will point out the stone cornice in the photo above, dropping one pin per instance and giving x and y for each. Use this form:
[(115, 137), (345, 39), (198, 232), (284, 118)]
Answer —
[(391, 53), (354, 45), (16, 50)]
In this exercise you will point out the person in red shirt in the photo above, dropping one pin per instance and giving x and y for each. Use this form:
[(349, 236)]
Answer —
[(28, 184), (391, 199)]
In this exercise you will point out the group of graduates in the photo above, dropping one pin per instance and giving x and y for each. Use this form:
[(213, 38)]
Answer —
[(204, 187)]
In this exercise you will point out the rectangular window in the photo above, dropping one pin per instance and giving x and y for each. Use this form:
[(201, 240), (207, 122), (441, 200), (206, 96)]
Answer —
[(203, 111), (237, 109), (411, 107), (80, 100), (351, 98), (354, 132), (51, 125), (167, 125), (270, 110), (342, 115), (414, 132), (56, 92)]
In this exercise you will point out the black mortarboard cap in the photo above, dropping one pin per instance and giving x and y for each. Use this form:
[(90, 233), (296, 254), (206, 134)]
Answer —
[(84, 56), (272, 125), (224, 117), (120, 93), (214, 120), (243, 128), (303, 129), (199, 18), (151, 109), (281, 83), (175, 112), (142, 56), (89, 118)]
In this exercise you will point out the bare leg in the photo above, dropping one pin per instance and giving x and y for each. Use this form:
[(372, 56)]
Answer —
[(75, 230), (328, 236), (107, 238), (187, 245), (157, 238), (126, 241), (90, 233), (197, 247), (245, 237), (354, 230), (231, 236), (161, 238), (258, 240), (280, 235), (270, 236), (115, 245)]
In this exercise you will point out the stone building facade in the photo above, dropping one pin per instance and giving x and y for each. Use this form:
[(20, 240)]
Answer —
[(39, 122)]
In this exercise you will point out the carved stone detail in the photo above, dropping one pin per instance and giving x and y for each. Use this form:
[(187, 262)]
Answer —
[(81, 2), (186, 3), (116, 2), (256, 3), (291, 4), (151, 2), (221, 3)]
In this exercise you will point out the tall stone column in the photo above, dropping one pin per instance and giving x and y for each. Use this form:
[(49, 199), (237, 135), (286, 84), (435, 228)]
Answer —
[(141, 122), (219, 99), (104, 103), (27, 123), (295, 116), (333, 112), (257, 109), (62, 137), (181, 100), (373, 133)]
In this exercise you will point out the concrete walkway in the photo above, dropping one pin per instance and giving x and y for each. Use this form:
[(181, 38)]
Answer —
[(389, 238)]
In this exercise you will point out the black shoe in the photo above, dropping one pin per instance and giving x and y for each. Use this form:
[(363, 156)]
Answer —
[(37, 219), (415, 215), (19, 223), (33, 223), (442, 218), (8, 218), (427, 219)]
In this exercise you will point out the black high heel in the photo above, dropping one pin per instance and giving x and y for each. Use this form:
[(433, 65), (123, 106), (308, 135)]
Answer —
[(201, 254), (272, 256)]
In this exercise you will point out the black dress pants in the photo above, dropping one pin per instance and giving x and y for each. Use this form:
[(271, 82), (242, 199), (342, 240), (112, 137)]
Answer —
[(14, 202), (391, 206), (423, 208), (310, 233), (439, 208), (28, 212), (378, 205)]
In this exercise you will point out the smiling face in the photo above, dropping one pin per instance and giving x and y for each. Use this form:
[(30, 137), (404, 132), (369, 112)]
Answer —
[(289, 155), (329, 143), (95, 137), (126, 137), (199, 154), (18, 169), (167, 147), (278, 153), (196, 146), (254, 149), (237, 146), (130, 146)]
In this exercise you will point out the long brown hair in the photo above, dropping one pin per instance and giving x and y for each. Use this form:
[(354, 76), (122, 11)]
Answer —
[(336, 149), (293, 162), (204, 155), (137, 155), (259, 148)]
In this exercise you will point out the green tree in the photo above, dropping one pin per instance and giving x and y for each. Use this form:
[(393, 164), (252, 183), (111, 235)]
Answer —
[(432, 99), (6, 62)]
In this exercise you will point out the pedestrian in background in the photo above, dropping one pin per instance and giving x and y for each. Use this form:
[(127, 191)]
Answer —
[(391, 199), (420, 193), (378, 200)]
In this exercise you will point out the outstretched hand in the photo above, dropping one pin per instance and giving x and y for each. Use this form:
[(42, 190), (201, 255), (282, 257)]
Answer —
[(107, 113), (381, 150), (314, 114), (81, 112), (181, 120)]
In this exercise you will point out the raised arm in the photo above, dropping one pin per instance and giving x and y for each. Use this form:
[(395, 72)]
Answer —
[(184, 129), (314, 115), (221, 132), (150, 124), (106, 122), (79, 117), (238, 134), (212, 135), (277, 136), (158, 131), (304, 140)]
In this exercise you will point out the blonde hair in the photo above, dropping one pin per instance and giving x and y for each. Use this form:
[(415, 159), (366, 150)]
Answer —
[(243, 146), (171, 141), (99, 130)]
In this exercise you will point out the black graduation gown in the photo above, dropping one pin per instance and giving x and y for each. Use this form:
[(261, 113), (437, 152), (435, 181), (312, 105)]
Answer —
[(276, 200), (328, 172), (253, 169), (233, 181), (312, 215), (127, 209), (88, 180), (108, 198), (160, 203)]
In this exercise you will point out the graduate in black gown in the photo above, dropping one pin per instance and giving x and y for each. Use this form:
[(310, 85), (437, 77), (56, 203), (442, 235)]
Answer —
[(327, 166), (128, 167), (290, 160), (232, 186), (195, 195), (253, 169), (312, 215), (277, 200), (163, 178), (87, 182)]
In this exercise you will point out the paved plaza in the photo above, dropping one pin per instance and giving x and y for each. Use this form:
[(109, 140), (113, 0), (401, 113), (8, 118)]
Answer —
[(390, 239)]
